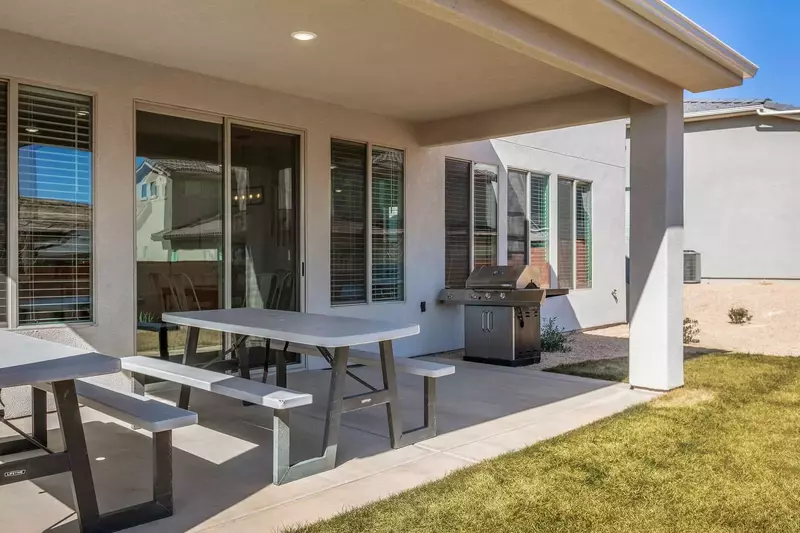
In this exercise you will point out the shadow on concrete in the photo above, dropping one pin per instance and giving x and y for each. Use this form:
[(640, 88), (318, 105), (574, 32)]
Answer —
[(226, 459)]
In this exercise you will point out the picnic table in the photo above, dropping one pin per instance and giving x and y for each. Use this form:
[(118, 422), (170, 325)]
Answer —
[(332, 336), (29, 361)]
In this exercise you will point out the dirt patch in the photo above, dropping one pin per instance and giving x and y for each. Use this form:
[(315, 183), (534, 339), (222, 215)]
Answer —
[(683, 398), (775, 306)]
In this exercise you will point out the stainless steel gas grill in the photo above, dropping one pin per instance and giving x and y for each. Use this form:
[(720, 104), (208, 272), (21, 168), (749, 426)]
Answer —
[(501, 314)]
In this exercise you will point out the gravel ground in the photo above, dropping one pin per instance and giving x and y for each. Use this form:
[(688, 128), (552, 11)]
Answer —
[(774, 329)]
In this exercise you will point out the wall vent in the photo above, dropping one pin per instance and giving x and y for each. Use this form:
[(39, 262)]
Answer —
[(691, 266)]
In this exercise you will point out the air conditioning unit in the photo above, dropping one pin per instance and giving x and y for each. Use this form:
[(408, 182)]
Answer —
[(691, 266)]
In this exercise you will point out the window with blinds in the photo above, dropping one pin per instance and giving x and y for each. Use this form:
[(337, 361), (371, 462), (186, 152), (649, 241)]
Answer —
[(566, 235), (517, 217), (528, 222), (387, 225), (55, 206), (3, 201), (540, 227), (456, 222), (485, 215), (583, 235), (348, 222)]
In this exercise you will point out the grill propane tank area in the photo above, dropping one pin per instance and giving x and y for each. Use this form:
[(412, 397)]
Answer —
[(502, 323)]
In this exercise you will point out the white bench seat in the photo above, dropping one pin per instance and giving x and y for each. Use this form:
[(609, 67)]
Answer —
[(146, 413), (152, 415), (407, 365), (235, 387)]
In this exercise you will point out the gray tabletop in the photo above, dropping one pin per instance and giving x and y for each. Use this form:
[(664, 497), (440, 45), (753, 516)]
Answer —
[(290, 326), (25, 360)]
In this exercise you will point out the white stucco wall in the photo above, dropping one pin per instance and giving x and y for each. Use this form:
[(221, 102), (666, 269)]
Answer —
[(594, 153), (742, 188)]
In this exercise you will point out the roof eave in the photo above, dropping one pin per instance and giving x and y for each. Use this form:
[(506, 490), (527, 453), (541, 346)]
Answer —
[(721, 113), (681, 27)]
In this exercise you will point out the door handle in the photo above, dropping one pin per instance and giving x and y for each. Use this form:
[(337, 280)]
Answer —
[(483, 321), (490, 321)]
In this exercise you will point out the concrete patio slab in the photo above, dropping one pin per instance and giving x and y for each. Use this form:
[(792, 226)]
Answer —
[(223, 470)]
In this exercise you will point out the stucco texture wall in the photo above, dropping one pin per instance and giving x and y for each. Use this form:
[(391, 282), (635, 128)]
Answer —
[(742, 188)]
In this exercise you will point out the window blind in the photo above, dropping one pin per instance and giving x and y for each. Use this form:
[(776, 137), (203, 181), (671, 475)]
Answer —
[(565, 235), (485, 215), (3, 200), (348, 222), (583, 235), (540, 228), (55, 206), (517, 217), (387, 225), (456, 222)]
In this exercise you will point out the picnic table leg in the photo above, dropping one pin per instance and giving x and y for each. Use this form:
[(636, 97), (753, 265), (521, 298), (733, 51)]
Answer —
[(282, 472), (280, 367), (39, 415), (266, 361), (242, 359), (390, 384), (242, 356), (189, 352), (163, 342), (69, 418)]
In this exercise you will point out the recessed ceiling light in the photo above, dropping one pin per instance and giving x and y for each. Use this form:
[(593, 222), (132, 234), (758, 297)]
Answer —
[(304, 35), (32, 130)]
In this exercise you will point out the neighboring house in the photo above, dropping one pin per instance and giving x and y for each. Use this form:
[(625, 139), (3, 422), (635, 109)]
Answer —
[(352, 175), (741, 188)]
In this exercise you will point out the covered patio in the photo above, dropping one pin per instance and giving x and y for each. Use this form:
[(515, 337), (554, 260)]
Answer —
[(418, 74), (222, 466), (414, 81)]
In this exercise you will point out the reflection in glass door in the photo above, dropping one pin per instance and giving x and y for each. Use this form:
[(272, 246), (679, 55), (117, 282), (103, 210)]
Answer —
[(179, 240), (264, 222)]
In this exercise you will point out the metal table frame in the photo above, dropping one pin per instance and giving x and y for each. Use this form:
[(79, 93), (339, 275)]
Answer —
[(283, 470), (75, 459)]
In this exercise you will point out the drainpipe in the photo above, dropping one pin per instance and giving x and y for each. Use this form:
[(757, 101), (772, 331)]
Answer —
[(793, 114)]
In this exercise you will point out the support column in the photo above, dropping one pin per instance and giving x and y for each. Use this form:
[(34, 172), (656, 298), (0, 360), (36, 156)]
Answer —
[(656, 245)]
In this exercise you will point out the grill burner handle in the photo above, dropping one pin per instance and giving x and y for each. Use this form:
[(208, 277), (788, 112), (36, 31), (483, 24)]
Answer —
[(520, 316)]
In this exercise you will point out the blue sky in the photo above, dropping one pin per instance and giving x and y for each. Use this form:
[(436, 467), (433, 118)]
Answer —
[(766, 32)]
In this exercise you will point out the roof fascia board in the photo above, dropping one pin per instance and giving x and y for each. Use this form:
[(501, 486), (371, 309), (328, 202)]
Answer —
[(678, 25)]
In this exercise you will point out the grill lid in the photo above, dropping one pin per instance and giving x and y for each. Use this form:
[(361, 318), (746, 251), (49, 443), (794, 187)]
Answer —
[(504, 277)]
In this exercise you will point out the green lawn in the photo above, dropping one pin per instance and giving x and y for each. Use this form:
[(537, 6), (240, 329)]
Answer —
[(609, 369), (719, 455)]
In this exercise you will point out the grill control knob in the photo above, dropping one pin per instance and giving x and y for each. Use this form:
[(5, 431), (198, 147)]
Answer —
[(449, 295), (488, 296), (502, 296)]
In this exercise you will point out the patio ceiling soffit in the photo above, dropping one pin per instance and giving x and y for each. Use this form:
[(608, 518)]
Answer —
[(507, 26)]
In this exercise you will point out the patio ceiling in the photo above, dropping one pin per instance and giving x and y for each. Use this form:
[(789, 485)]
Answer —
[(459, 69), (374, 55)]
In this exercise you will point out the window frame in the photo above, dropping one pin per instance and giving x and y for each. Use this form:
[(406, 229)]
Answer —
[(472, 164), (574, 196), (368, 146), (529, 175), (12, 214)]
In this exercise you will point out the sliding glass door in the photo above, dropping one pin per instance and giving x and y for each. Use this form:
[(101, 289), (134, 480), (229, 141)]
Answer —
[(179, 240), (212, 233), (264, 222)]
